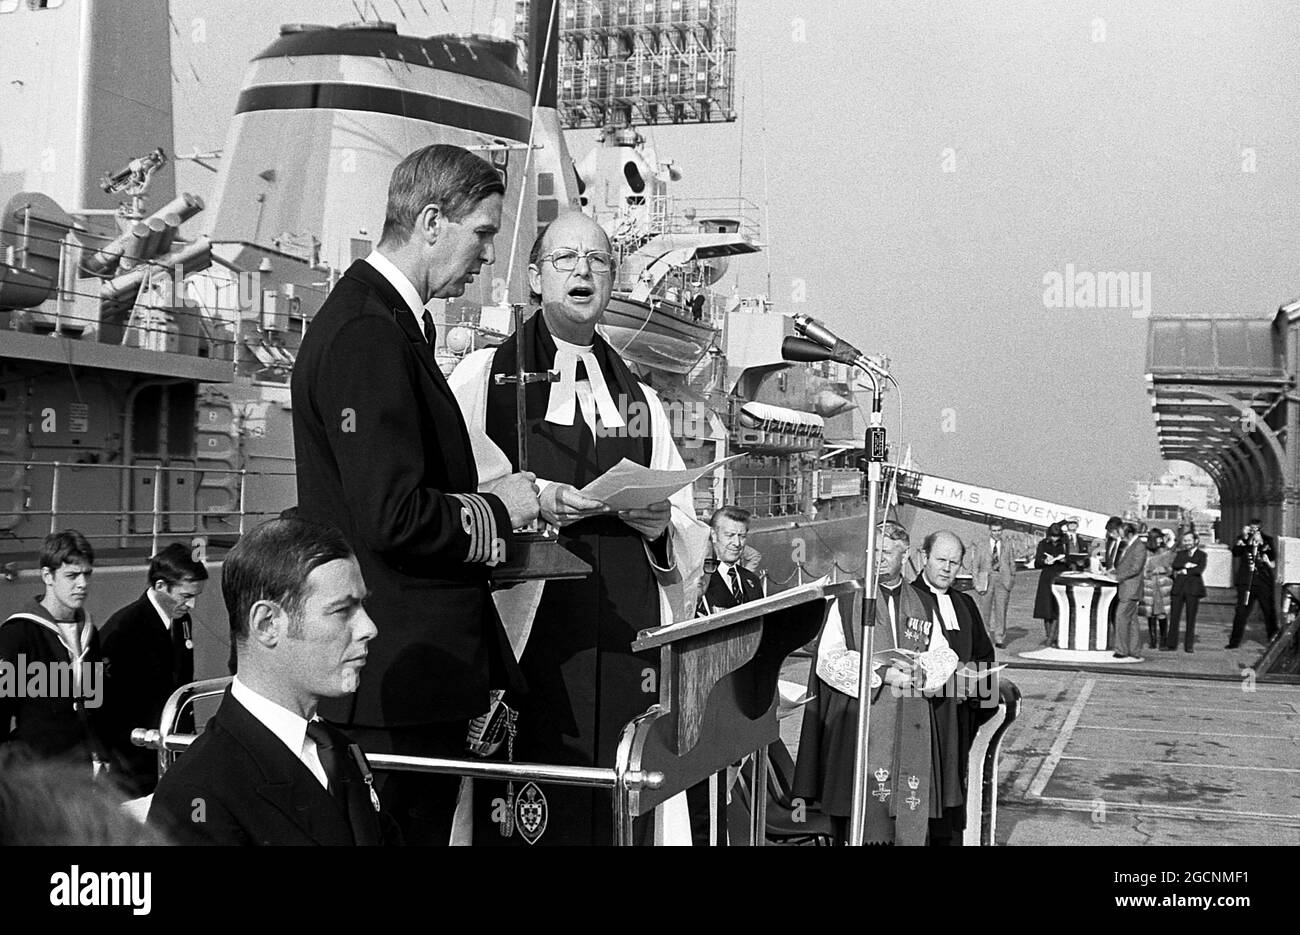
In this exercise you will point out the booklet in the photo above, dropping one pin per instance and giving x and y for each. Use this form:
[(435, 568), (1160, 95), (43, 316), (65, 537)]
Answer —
[(631, 486)]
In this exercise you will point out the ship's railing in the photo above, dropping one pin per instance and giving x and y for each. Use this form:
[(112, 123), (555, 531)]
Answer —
[(664, 214), (621, 779), (147, 306), (170, 329), (165, 519), (693, 216), (765, 495)]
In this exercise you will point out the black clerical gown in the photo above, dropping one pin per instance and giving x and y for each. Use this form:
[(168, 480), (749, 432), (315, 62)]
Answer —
[(584, 681), (957, 716)]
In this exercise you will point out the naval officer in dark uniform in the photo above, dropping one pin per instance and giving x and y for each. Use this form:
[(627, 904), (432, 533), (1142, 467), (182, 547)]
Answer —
[(383, 454)]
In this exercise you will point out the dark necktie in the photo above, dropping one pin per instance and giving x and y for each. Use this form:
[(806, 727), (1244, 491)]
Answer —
[(997, 553), (735, 584), (329, 757), (429, 332)]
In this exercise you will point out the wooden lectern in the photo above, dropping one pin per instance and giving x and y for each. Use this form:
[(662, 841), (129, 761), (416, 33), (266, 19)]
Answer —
[(717, 696)]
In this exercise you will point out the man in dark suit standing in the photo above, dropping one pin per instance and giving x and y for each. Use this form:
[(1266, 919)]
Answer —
[(1256, 555), (1075, 545), (731, 583), (149, 649), (1187, 591), (383, 454), (267, 770)]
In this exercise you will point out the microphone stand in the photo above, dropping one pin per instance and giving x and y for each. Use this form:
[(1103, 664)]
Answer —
[(875, 448), (822, 344)]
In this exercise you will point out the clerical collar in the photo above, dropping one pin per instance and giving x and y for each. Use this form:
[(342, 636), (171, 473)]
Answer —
[(570, 346), (562, 405), (931, 585)]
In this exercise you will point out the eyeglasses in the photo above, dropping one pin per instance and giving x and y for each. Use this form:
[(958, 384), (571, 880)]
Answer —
[(566, 261)]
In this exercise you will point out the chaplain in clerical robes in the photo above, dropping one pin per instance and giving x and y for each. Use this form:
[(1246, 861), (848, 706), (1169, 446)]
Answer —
[(904, 773), (971, 696), (584, 681)]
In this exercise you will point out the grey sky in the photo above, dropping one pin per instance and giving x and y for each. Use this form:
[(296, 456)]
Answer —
[(1124, 154)]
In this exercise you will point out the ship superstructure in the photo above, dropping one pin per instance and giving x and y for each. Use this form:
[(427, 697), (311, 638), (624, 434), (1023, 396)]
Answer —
[(151, 336)]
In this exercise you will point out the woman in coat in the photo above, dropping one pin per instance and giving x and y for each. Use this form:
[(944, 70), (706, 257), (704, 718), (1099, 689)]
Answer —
[(1157, 584), (1050, 557)]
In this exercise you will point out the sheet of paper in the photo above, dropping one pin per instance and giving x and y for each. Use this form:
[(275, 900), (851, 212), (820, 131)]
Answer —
[(631, 486), (889, 655)]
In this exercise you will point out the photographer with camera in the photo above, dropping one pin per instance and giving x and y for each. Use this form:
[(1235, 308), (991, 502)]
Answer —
[(1256, 572)]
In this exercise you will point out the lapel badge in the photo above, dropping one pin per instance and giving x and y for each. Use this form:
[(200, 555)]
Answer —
[(531, 813)]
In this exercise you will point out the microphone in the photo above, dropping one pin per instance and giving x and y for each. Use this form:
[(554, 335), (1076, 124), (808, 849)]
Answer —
[(833, 347), (803, 350), (840, 350)]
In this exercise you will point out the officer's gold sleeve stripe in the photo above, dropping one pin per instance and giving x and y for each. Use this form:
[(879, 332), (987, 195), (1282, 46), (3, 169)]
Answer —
[(468, 511), (482, 521), (489, 526)]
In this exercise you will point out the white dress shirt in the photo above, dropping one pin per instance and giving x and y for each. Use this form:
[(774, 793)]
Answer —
[(405, 289), (289, 727), (162, 614)]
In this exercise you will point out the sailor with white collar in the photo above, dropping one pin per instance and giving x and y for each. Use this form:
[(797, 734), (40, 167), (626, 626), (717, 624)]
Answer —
[(51, 666)]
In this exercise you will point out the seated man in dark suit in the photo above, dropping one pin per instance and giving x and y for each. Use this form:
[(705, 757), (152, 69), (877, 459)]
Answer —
[(730, 583), (267, 770), (149, 649)]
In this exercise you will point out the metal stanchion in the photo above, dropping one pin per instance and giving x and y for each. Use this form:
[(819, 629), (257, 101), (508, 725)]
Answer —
[(875, 458)]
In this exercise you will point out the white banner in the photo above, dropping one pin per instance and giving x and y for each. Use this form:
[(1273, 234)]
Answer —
[(1008, 506)]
